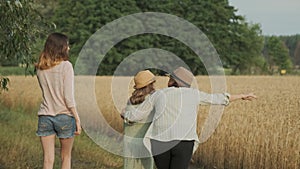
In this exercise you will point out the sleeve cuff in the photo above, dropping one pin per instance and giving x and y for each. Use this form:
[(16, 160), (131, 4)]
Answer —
[(227, 97)]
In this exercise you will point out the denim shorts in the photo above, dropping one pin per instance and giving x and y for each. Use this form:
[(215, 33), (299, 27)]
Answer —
[(62, 125)]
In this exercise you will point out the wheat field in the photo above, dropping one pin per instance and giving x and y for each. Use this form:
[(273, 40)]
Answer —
[(262, 134)]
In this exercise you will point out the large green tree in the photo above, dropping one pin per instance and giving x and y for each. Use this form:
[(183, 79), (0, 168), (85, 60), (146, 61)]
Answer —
[(238, 43), (297, 54), (20, 27), (292, 43), (243, 52), (80, 19), (277, 54)]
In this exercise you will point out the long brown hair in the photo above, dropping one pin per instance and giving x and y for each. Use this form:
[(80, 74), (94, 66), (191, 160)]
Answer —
[(56, 49), (139, 95)]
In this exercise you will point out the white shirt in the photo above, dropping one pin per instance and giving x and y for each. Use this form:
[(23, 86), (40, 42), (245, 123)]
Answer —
[(175, 116)]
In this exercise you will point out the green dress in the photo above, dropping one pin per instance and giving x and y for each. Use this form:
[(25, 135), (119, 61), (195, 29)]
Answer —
[(136, 154)]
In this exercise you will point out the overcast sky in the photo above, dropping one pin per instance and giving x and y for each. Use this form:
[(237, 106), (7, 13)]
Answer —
[(276, 17)]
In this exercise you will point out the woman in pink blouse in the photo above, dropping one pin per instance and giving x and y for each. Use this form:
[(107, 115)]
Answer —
[(57, 115)]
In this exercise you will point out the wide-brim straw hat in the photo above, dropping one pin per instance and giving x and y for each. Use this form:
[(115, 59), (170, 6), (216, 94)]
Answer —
[(183, 77), (143, 78)]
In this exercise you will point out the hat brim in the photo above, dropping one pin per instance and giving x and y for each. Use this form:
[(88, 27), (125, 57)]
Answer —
[(179, 81), (147, 83)]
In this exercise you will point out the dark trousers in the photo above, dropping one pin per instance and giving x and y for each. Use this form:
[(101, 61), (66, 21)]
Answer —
[(173, 154)]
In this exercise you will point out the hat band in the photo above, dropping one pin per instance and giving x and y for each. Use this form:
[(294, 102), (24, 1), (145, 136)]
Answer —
[(176, 77)]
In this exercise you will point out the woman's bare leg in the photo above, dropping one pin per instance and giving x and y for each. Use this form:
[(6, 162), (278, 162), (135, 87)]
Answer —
[(48, 144), (66, 150)]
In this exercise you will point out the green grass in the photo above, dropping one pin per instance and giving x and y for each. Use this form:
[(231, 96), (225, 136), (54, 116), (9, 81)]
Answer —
[(20, 147), (11, 70)]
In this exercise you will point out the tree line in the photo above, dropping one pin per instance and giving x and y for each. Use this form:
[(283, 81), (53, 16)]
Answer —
[(240, 45)]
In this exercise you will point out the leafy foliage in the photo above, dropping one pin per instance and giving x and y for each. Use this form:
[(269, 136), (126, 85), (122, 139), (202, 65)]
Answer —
[(4, 81), (240, 45), (293, 44), (277, 54), (230, 34), (20, 26)]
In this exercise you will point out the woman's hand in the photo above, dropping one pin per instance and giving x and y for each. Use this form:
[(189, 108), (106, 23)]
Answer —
[(78, 128), (122, 114), (249, 96)]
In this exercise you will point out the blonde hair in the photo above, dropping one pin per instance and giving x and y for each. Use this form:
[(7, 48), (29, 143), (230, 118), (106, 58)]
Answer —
[(55, 51), (139, 95)]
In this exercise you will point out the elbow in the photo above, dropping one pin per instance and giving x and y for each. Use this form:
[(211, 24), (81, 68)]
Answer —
[(70, 104)]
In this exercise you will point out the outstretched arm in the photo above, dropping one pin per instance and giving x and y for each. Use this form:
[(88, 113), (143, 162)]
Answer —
[(249, 96)]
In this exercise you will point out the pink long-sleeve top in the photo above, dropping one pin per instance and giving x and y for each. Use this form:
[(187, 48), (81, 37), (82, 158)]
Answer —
[(57, 85)]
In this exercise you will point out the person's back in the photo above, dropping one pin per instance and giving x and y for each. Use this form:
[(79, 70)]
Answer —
[(175, 111), (57, 116), (136, 156), (58, 95)]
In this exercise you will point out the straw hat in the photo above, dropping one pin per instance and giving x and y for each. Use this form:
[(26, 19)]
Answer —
[(143, 78), (183, 77)]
